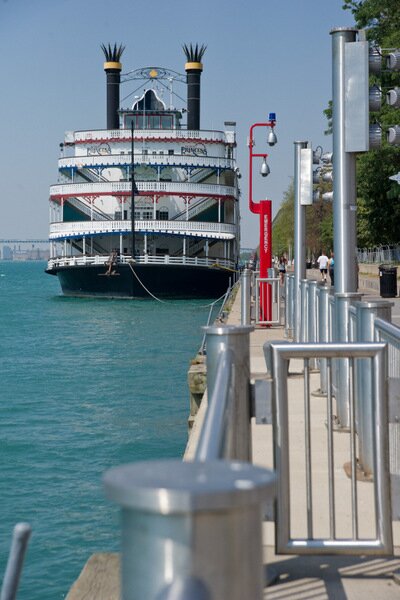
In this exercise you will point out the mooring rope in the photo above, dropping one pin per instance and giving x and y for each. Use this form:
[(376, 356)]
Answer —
[(163, 301), (144, 287)]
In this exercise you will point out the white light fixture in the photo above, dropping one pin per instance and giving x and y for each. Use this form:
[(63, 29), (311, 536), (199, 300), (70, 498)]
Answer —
[(265, 170), (272, 139)]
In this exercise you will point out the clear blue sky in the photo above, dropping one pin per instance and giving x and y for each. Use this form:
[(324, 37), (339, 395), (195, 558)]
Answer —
[(262, 56)]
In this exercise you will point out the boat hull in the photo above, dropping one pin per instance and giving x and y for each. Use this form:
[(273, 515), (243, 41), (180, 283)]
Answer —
[(143, 281)]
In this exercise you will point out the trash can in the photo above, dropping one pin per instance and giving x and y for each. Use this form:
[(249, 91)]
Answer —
[(387, 281)]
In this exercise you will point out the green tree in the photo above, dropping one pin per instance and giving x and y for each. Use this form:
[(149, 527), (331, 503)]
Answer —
[(378, 197), (319, 231), (283, 224)]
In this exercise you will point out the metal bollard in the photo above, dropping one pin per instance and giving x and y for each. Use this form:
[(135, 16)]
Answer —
[(275, 288), (331, 329), (303, 310), (287, 305), (245, 297), (341, 334), (312, 317), (290, 304), (366, 312), (218, 339), (323, 331), (191, 526)]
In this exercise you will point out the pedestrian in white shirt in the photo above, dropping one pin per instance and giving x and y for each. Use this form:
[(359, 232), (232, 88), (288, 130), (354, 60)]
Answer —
[(323, 261)]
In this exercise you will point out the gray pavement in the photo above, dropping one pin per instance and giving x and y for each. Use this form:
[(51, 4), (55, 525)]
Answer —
[(318, 577)]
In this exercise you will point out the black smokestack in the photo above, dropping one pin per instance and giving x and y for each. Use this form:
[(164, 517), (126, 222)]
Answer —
[(113, 68), (193, 69)]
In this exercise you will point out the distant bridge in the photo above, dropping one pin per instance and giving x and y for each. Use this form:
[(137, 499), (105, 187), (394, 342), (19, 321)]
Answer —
[(12, 241)]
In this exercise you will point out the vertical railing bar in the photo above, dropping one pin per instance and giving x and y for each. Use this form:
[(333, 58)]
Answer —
[(257, 315), (353, 456), (383, 512), (281, 450), (331, 481), (307, 424)]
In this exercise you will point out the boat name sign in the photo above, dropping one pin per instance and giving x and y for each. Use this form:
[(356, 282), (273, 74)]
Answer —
[(194, 150)]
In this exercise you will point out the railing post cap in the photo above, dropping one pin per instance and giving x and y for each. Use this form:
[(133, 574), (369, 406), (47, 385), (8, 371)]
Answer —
[(348, 295), (367, 304), (173, 486), (228, 329)]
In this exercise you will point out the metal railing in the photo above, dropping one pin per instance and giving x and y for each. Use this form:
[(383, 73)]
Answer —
[(19, 544), (120, 160), (68, 261), (187, 507), (221, 313), (278, 356), (124, 135), (271, 286), (380, 254), (59, 231), (152, 187)]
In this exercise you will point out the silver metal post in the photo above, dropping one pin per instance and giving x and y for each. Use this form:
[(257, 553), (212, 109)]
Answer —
[(341, 334), (21, 534), (175, 519), (303, 313), (299, 241), (290, 303), (312, 322), (344, 168), (323, 331), (366, 313), (245, 297), (287, 305), (219, 339)]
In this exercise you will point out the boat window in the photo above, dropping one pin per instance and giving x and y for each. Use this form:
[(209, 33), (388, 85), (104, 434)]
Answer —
[(166, 122), (154, 122), (162, 214), (170, 152), (147, 215)]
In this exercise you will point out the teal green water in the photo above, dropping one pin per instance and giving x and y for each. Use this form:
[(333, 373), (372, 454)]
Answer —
[(85, 385)]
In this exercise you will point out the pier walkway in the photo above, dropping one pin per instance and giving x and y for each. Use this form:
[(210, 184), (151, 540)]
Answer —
[(317, 577)]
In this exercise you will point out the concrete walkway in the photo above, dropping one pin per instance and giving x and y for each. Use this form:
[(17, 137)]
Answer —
[(318, 577)]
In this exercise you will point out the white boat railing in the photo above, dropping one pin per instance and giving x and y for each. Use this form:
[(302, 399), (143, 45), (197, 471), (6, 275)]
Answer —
[(67, 261), (179, 135), (152, 187), (123, 160), (222, 231)]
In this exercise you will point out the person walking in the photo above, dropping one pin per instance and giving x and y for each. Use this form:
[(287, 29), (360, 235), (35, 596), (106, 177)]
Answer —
[(323, 261), (332, 268), (282, 268)]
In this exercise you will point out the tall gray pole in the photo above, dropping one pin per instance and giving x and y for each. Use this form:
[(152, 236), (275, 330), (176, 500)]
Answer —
[(299, 240), (344, 168), (344, 211)]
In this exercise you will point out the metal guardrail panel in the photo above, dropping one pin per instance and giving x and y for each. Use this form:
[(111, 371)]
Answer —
[(275, 290), (329, 535)]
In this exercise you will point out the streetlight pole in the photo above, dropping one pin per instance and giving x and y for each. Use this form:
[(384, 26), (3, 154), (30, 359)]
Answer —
[(264, 209)]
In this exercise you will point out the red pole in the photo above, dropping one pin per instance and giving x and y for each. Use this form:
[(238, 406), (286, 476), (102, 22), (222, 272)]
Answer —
[(265, 259), (264, 209)]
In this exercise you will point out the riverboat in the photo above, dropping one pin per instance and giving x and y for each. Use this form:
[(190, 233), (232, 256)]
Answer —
[(148, 207)]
